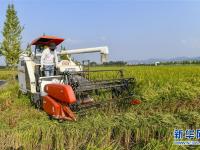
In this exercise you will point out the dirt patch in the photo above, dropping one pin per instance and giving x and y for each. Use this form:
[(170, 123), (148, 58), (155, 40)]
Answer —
[(2, 82)]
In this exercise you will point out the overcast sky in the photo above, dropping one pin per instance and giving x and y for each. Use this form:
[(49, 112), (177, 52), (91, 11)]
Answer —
[(131, 29)]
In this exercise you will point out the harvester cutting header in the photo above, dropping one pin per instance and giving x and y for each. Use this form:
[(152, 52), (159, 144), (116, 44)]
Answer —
[(63, 87)]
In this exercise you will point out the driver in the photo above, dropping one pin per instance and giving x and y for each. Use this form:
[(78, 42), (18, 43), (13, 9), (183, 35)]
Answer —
[(49, 59)]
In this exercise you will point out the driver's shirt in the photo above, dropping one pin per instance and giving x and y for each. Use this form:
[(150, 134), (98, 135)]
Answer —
[(49, 57)]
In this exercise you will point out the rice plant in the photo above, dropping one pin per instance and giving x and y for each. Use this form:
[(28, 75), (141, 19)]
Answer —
[(170, 99)]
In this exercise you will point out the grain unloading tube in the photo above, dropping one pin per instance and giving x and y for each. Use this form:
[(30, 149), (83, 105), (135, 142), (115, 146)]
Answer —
[(103, 51)]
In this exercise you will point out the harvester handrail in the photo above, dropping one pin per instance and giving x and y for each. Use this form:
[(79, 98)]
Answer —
[(50, 77), (89, 71)]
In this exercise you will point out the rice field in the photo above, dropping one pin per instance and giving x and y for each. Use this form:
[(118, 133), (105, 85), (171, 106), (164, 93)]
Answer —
[(170, 100)]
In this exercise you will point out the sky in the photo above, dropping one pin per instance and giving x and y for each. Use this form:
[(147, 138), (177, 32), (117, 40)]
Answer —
[(131, 29)]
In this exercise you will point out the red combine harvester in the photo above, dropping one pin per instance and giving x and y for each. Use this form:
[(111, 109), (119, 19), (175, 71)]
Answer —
[(71, 89)]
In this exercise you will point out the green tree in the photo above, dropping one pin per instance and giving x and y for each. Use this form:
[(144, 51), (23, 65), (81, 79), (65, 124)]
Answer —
[(64, 57), (28, 50), (11, 45)]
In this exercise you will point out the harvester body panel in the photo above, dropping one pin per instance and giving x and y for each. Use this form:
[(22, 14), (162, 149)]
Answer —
[(61, 92)]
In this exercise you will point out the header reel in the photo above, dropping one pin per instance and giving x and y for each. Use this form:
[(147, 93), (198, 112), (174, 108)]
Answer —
[(92, 93)]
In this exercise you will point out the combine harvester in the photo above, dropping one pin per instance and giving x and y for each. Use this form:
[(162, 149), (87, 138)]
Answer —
[(71, 89)]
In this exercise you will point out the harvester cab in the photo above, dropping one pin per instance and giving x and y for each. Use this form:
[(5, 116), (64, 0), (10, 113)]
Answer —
[(71, 89)]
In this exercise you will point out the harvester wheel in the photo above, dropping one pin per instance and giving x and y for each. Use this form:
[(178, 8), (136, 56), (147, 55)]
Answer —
[(38, 104), (36, 101), (50, 117)]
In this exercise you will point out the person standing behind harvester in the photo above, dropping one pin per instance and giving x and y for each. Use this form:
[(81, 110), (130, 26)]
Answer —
[(49, 59)]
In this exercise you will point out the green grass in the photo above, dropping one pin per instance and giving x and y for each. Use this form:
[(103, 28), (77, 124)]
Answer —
[(170, 100)]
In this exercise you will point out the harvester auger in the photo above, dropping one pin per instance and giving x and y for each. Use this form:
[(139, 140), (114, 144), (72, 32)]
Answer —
[(71, 89)]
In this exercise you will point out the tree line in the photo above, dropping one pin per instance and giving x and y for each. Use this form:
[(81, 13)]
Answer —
[(110, 63), (185, 62), (181, 62)]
